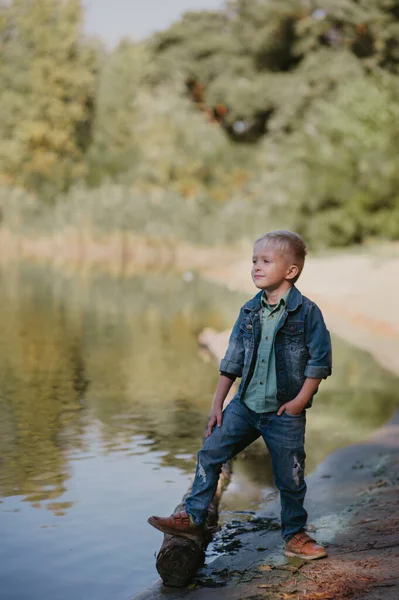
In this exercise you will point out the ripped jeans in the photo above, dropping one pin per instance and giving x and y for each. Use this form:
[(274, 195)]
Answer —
[(284, 437)]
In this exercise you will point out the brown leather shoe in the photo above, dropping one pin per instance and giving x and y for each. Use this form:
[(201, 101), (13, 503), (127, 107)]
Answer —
[(177, 524), (304, 546)]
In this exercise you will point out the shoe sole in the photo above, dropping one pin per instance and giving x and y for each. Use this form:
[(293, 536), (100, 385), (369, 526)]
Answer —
[(170, 531), (304, 556)]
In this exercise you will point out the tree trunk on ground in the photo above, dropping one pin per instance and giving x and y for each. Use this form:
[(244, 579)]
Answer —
[(180, 558)]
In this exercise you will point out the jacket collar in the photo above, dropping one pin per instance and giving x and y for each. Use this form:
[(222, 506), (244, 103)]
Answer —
[(294, 300)]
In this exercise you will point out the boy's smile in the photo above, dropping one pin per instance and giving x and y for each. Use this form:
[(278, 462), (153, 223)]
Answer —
[(271, 271)]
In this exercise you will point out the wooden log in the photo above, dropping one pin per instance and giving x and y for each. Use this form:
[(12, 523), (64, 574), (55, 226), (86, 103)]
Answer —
[(179, 557)]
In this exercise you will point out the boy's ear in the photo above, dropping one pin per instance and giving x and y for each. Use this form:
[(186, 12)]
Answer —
[(292, 272)]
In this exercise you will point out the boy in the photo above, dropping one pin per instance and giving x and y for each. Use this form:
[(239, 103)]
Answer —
[(281, 349)]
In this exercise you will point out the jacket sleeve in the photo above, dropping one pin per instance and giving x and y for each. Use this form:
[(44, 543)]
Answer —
[(318, 343), (233, 362)]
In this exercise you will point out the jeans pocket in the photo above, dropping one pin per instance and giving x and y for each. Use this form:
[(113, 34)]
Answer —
[(302, 414)]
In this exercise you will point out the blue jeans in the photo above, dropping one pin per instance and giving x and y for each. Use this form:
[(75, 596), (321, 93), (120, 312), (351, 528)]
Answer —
[(284, 437)]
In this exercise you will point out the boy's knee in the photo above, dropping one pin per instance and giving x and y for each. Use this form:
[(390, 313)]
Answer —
[(290, 471), (211, 453), (298, 469)]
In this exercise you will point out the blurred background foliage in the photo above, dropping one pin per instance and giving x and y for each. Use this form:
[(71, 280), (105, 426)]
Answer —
[(226, 124)]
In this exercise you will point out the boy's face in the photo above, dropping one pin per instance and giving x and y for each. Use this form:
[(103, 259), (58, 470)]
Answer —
[(270, 269)]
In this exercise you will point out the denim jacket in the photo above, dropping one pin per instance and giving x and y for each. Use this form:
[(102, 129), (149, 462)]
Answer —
[(302, 346)]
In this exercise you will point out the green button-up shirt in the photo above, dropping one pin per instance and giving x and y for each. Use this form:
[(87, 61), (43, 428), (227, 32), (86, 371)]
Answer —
[(260, 395)]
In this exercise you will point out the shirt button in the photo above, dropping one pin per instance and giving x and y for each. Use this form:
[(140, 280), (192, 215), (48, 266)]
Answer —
[(263, 360), (267, 337), (261, 382)]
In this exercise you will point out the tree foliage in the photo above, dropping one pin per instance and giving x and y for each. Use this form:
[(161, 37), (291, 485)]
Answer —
[(123, 76), (46, 83), (254, 57), (316, 84), (341, 167), (289, 105)]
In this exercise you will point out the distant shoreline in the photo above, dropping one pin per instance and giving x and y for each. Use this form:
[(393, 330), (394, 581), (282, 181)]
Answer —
[(116, 252)]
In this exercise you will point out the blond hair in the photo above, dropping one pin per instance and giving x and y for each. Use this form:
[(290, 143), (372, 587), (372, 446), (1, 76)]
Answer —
[(287, 243)]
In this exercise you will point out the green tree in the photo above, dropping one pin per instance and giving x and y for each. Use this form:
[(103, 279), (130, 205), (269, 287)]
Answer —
[(338, 176), (124, 75), (267, 60), (47, 85)]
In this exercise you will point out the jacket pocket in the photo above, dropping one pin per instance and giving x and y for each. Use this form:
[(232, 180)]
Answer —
[(293, 328), (246, 330), (293, 334)]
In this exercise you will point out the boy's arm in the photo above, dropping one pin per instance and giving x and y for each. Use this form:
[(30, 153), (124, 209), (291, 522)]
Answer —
[(230, 367), (223, 388), (318, 367), (233, 362), (297, 405), (318, 343)]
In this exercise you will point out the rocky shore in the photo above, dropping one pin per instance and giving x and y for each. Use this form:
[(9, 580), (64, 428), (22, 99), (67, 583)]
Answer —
[(353, 504)]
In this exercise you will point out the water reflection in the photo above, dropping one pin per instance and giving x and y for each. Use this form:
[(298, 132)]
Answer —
[(122, 353), (42, 384), (103, 399)]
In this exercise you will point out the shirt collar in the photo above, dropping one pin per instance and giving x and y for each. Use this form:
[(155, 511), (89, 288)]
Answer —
[(282, 302)]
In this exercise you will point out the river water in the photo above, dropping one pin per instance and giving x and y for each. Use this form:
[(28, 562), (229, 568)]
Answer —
[(103, 400)]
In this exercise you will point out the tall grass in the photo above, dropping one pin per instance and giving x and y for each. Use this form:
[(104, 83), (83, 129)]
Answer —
[(163, 215)]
